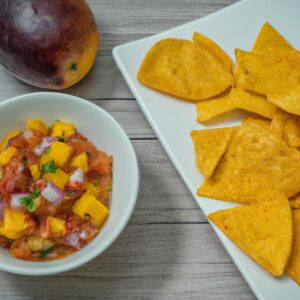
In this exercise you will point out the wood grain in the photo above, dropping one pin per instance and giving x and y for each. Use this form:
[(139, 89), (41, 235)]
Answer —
[(168, 250)]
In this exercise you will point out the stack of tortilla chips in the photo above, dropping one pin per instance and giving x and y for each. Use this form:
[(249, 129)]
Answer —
[(256, 164)]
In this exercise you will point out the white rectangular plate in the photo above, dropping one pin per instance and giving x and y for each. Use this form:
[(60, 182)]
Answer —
[(233, 27)]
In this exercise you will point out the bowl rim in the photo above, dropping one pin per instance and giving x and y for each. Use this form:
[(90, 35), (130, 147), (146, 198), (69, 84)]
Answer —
[(93, 252)]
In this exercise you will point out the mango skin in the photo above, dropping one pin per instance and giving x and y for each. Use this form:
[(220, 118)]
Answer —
[(48, 44)]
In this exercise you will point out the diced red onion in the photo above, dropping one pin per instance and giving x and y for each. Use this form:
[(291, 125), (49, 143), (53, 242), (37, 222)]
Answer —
[(27, 134), (77, 176), (52, 193), (10, 186), (20, 168), (73, 239), (15, 199), (41, 148)]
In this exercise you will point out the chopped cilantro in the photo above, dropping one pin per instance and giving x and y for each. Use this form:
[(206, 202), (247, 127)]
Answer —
[(24, 160), (47, 151), (28, 201), (45, 253), (62, 137), (109, 188), (73, 67), (49, 167)]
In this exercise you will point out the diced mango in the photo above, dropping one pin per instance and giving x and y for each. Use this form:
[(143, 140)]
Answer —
[(59, 152), (38, 125), (90, 208), (10, 234), (80, 161), (7, 138), (59, 178), (6, 155), (14, 220), (92, 189), (35, 172), (57, 226), (61, 128)]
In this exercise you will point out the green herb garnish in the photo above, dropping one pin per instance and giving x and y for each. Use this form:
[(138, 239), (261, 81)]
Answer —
[(45, 253), (24, 160), (28, 201), (49, 167), (109, 188), (47, 151), (62, 137), (73, 67)]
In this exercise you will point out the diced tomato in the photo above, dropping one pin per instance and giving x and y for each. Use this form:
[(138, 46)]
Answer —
[(81, 146), (31, 158), (74, 186), (35, 139), (18, 141), (101, 163), (20, 248)]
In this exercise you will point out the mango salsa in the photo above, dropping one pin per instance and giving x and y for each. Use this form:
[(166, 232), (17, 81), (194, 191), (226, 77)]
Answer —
[(90, 208), (38, 125), (7, 138), (80, 161), (63, 129), (59, 152)]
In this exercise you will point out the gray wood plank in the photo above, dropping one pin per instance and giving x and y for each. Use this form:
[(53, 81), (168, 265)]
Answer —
[(146, 262)]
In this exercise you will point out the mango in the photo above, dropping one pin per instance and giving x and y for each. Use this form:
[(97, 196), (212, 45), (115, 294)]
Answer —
[(59, 152), (35, 172), (14, 220), (7, 138), (90, 208), (57, 226), (59, 178), (6, 155), (61, 128), (38, 125), (49, 44), (92, 189), (80, 161)]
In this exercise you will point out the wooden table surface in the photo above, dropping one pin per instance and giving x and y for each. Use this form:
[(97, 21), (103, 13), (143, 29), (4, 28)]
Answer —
[(168, 250)]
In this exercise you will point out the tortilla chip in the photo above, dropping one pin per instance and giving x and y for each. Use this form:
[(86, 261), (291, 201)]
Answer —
[(255, 160), (262, 230), (260, 122), (293, 267), (215, 49), (295, 201), (184, 69), (269, 40), (208, 109), (268, 76), (210, 145), (288, 127), (252, 103), (289, 102)]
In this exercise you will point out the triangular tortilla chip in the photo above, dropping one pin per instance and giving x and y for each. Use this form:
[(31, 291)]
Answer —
[(215, 49), (287, 126), (293, 267), (184, 69), (289, 101), (252, 103), (255, 160), (210, 145), (208, 109), (260, 122), (268, 39), (262, 230)]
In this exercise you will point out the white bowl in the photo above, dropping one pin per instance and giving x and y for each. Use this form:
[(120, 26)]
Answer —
[(100, 128)]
